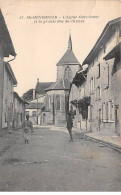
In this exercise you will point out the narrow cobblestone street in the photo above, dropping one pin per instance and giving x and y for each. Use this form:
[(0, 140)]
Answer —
[(51, 163)]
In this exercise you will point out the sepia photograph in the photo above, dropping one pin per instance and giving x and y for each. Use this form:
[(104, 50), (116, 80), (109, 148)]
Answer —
[(60, 96)]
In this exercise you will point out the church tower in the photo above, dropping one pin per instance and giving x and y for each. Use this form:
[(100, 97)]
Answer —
[(57, 93), (68, 65)]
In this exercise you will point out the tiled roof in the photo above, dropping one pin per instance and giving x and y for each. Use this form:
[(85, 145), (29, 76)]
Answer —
[(40, 88), (34, 105), (62, 84), (18, 97)]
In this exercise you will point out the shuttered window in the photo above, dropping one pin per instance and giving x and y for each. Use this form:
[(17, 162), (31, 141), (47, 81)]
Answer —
[(92, 85), (98, 93), (98, 71), (108, 111)]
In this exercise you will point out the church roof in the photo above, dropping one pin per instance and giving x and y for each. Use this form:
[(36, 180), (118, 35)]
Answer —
[(40, 88), (61, 84), (68, 57)]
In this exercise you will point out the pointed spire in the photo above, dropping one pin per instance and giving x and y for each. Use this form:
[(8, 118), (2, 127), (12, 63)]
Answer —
[(69, 42), (37, 80)]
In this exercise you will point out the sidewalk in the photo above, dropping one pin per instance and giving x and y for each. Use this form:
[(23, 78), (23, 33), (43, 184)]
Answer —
[(109, 139), (112, 140)]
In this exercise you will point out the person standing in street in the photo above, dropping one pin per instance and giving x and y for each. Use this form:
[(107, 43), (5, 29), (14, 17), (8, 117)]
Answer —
[(28, 129), (70, 125)]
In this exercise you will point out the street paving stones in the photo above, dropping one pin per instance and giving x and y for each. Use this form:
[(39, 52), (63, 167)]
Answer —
[(51, 163)]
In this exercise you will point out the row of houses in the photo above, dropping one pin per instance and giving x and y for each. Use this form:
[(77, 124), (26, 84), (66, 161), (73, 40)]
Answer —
[(95, 92), (12, 107), (91, 91)]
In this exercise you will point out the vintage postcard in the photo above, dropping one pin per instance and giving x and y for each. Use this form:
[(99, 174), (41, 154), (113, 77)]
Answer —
[(60, 95)]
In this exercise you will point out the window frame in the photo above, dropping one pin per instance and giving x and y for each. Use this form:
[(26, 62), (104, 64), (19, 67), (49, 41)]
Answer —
[(92, 85), (26, 113), (98, 71), (34, 113)]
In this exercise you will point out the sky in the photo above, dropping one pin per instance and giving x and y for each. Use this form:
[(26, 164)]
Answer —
[(40, 46)]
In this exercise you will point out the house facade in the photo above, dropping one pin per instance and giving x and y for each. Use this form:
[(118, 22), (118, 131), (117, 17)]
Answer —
[(18, 111), (36, 106), (7, 77), (102, 83), (8, 96), (33, 110), (76, 93)]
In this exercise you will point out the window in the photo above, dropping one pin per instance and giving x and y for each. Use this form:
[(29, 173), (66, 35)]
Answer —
[(106, 80), (108, 111), (98, 93), (104, 112), (5, 117), (111, 111), (88, 112), (98, 71), (33, 113), (27, 113), (57, 102), (67, 73), (92, 85), (100, 115)]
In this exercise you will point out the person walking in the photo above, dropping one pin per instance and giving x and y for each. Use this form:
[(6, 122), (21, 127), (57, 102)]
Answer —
[(70, 125), (28, 129)]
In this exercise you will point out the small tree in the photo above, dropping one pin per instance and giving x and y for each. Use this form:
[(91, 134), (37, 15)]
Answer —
[(83, 107)]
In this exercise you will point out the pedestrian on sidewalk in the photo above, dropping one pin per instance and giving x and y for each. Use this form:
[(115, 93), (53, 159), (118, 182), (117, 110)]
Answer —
[(70, 125), (28, 129)]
